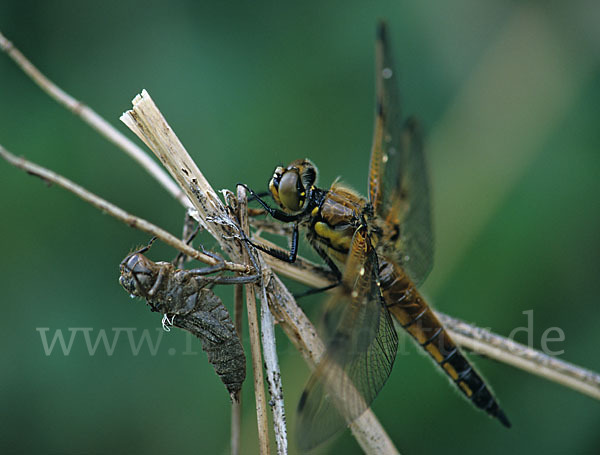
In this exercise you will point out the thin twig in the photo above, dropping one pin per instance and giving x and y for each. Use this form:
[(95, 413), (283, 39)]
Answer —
[(120, 214), (480, 340), (154, 131), (254, 332), (90, 117)]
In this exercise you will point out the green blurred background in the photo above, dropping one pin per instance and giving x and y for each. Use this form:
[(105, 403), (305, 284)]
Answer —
[(509, 96)]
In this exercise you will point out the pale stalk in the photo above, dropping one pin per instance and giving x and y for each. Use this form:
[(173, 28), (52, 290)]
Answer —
[(267, 324)]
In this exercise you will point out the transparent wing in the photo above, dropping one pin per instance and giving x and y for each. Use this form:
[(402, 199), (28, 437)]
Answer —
[(398, 182), (359, 356)]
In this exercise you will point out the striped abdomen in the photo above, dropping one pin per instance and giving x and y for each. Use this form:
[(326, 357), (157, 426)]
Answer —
[(416, 317), (209, 320)]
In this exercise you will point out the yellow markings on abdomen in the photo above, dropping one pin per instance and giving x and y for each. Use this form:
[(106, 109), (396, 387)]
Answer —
[(450, 370), (465, 388)]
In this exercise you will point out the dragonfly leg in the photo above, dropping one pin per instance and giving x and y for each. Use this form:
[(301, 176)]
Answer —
[(157, 283), (275, 252), (258, 195), (316, 290), (209, 269)]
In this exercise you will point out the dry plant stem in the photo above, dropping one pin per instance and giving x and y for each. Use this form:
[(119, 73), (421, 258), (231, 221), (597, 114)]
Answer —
[(254, 331), (267, 324), (114, 211), (484, 342), (89, 116), (259, 390), (236, 405), (369, 432), (146, 121), (269, 347)]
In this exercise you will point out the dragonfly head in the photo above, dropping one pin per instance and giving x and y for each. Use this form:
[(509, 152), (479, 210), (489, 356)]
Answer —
[(291, 186)]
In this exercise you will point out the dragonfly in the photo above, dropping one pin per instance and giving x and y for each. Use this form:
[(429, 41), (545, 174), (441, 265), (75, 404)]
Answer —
[(381, 250), (186, 300)]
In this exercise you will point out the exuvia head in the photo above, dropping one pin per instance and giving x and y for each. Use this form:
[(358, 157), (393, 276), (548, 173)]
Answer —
[(138, 274), (291, 186)]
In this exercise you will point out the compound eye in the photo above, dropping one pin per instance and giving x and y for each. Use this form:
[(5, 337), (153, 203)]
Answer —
[(289, 191), (131, 262), (138, 264)]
